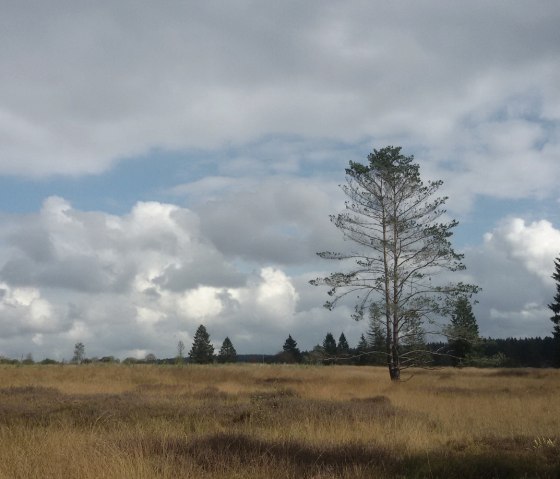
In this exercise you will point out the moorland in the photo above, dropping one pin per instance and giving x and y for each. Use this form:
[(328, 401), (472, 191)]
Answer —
[(276, 421)]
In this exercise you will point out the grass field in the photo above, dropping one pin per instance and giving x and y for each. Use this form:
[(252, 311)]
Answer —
[(261, 421)]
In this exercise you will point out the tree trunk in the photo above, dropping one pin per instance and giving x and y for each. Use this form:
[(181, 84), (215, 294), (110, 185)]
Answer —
[(395, 372), (394, 364)]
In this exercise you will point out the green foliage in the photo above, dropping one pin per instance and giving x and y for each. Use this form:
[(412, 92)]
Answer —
[(48, 361), (290, 351), (343, 348), (329, 345), (394, 220), (555, 308), (227, 353), (362, 352), (202, 351), (463, 331)]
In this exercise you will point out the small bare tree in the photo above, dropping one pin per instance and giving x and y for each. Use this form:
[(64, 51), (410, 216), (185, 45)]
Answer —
[(79, 353)]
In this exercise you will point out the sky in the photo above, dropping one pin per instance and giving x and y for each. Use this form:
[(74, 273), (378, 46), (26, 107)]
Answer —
[(170, 164)]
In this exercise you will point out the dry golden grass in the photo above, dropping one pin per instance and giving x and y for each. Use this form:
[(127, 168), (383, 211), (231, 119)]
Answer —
[(260, 421)]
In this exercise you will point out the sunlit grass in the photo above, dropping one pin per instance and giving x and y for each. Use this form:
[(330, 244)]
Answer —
[(116, 421)]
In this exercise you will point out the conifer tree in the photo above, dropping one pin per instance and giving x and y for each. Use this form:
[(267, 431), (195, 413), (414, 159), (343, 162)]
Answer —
[(202, 351), (463, 331), (291, 352), (362, 351), (555, 307), (329, 345), (343, 347), (227, 353)]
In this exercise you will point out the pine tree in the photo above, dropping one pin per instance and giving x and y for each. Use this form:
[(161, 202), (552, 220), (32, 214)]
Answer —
[(291, 352), (329, 345), (343, 347), (403, 246), (555, 307), (463, 331), (362, 352), (202, 351), (227, 353)]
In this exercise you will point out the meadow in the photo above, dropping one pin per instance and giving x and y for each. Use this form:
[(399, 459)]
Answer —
[(274, 421)]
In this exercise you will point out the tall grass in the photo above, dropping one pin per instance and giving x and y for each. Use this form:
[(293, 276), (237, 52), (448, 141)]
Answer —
[(261, 421)]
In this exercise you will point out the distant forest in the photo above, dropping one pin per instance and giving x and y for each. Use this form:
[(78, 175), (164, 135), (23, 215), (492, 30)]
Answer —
[(511, 352)]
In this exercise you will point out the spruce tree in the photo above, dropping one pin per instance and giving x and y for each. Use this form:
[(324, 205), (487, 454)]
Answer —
[(227, 353), (362, 351), (329, 345), (291, 352), (342, 347), (555, 307), (463, 331), (202, 351)]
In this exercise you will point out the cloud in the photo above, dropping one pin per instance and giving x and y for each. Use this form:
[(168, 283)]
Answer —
[(85, 85), (535, 245), (136, 282), (514, 267), (279, 220)]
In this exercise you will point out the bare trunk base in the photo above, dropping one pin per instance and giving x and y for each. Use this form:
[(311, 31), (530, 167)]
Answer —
[(395, 373)]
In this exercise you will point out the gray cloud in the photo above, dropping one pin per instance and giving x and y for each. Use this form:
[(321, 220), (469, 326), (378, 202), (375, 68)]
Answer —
[(514, 267), (88, 84)]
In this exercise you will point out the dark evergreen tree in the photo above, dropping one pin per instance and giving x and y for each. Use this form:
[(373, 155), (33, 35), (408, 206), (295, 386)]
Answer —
[(343, 347), (463, 331), (202, 351), (291, 352), (555, 307), (362, 350), (227, 353), (329, 346)]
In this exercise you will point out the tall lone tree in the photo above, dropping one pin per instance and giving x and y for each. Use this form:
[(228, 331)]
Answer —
[(463, 330), (227, 353), (555, 307), (402, 244), (202, 351)]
